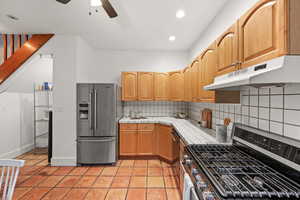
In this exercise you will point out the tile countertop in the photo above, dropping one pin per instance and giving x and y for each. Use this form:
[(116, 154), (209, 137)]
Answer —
[(189, 130)]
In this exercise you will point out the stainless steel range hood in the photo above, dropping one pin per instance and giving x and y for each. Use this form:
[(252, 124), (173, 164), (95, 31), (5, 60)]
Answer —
[(278, 71)]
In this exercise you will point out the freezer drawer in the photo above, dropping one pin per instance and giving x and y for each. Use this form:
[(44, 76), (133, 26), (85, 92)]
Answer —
[(96, 151)]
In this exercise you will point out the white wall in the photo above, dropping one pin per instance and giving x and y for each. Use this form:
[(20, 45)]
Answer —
[(64, 49), (226, 17), (106, 66), (38, 70), (16, 119), (16, 107)]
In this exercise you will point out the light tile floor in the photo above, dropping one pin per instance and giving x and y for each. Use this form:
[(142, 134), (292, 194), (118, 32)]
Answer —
[(128, 180)]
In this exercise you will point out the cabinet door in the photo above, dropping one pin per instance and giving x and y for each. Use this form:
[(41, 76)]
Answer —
[(145, 143), (208, 69), (128, 143), (165, 147), (129, 86), (262, 32), (145, 86), (227, 47), (176, 86), (161, 86), (195, 87), (187, 84)]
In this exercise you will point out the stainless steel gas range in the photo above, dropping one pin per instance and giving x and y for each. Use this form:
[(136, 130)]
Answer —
[(258, 165)]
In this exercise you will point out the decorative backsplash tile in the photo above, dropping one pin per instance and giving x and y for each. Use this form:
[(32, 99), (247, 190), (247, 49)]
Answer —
[(155, 108), (274, 109)]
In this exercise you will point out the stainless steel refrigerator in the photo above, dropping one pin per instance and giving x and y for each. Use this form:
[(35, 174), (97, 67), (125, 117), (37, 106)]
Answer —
[(98, 111)]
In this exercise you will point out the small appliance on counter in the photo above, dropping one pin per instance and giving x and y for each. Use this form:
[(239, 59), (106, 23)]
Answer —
[(206, 118), (221, 131)]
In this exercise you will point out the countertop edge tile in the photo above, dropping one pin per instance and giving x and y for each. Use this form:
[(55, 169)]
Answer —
[(187, 129)]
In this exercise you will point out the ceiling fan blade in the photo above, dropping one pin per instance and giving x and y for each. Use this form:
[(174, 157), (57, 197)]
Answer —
[(63, 1), (109, 9)]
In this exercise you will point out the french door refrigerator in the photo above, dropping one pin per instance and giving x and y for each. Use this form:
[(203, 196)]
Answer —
[(98, 112)]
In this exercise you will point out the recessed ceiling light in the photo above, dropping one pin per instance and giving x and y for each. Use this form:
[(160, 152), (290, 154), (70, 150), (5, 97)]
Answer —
[(172, 38), (96, 3), (180, 14), (12, 17)]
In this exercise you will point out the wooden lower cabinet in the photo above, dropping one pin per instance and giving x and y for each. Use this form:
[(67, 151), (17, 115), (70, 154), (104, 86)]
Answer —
[(128, 142), (181, 168), (148, 140), (136, 139), (165, 142), (145, 143)]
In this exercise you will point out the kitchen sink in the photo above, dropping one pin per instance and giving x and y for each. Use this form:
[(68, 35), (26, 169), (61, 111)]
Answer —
[(138, 117)]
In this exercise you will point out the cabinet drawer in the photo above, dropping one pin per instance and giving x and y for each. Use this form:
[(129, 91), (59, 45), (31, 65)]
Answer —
[(125, 127), (146, 127)]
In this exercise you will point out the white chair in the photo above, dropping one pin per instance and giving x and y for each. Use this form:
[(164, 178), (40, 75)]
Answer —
[(9, 174)]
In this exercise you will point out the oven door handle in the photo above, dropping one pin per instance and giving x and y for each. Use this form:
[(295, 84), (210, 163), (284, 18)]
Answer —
[(194, 195)]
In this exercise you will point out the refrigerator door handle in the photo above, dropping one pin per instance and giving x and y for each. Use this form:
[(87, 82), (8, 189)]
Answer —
[(95, 109), (102, 140), (90, 110)]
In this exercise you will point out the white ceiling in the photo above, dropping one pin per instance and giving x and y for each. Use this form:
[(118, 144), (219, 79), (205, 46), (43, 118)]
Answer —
[(141, 25)]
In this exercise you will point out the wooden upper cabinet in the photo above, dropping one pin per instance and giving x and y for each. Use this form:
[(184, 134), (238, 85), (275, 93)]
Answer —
[(195, 86), (161, 86), (227, 48), (207, 72), (262, 32), (176, 80), (129, 86), (200, 81), (187, 84), (145, 86)]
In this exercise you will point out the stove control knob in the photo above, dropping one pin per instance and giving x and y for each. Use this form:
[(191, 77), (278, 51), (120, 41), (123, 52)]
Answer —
[(207, 195), (195, 171), (188, 161), (201, 184), (198, 178)]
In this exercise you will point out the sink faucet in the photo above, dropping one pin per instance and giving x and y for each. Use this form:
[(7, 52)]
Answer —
[(132, 114)]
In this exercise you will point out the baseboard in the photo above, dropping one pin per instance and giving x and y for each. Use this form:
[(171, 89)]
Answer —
[(147, 157), (17, 152), (60, 161)]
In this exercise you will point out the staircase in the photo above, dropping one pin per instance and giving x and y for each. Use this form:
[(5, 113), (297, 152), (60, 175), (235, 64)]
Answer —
[(16, 49)]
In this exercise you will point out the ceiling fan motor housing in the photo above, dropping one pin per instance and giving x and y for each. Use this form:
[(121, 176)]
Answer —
[(64, 1)]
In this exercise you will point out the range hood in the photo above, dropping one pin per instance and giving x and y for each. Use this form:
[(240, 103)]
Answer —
[(278, 71)]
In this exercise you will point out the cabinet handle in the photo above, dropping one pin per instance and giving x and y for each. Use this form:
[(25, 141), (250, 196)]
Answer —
[(235, 64)]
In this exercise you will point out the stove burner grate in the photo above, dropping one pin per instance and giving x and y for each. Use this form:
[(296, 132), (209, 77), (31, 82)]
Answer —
[(237, 174)]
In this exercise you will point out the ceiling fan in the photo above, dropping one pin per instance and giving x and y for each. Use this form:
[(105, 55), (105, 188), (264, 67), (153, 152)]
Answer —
[(109, 9)]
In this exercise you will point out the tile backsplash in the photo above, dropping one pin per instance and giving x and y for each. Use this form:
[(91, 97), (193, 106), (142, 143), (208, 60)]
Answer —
[(155, 108), (273, 109)]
